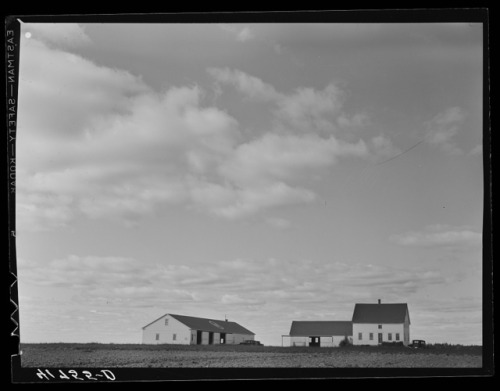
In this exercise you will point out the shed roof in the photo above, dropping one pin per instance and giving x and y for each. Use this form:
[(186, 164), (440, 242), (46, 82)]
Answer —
[(380, 313), (320, 328), (204, 324)]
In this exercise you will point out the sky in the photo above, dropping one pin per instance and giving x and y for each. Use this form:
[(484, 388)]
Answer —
[(262, 173)]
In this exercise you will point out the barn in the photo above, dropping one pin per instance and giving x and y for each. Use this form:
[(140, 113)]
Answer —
[(319, 333), (189, 330), (373, 324)]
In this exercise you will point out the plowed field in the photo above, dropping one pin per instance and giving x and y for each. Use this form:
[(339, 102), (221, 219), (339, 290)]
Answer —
[(178, 356)]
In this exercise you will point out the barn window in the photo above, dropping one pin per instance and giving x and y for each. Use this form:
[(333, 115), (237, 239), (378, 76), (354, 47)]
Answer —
[(360, 336), (166, 322), (379, 326), (157, 337), (397, 336), (174, 337), (371, 336), (389, 336)]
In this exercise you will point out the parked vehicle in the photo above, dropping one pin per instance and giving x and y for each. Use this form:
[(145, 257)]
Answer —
[(417, 344), (250, 342)]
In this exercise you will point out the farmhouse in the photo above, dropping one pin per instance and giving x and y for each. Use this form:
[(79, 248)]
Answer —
[(319, 333), (373, 324), (189, 330)]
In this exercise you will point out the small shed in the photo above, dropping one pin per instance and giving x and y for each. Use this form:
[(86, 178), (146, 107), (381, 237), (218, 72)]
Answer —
[(319, 333)]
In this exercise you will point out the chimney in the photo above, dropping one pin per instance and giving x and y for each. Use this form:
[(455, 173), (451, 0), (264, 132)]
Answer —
[(379, 301)]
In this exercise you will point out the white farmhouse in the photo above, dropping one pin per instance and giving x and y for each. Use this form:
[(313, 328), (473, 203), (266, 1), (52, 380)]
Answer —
[(319, 333), (189, 330), (373, 324)]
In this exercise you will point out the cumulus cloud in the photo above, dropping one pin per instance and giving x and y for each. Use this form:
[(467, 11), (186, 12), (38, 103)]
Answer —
[(442, 129), (59, 34), (249, 85), (97, 142), (281, 157), (306, 109), (439, 235)]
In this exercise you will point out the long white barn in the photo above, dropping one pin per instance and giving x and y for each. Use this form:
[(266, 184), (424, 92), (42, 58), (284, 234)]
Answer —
[(189, 330)]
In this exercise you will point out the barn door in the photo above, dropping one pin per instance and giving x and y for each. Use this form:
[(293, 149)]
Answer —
[(314, 341)]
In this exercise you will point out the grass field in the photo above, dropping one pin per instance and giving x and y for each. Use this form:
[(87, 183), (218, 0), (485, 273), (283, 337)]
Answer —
[(238, 356)]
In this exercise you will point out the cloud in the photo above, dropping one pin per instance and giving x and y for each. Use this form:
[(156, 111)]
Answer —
[(246, 282), (235, 202), (90, 295), (96, 142), (249, 85), (384, 147), (442, 129), (57, 34), (242, 34), (282, 157), (440, 235), (306, 109)]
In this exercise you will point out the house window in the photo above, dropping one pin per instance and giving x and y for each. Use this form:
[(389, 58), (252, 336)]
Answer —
[(360, 336), (174, 337), (166, 322), (371, 336), (389, 336), (397, 336), (157, 337), (379, 326)]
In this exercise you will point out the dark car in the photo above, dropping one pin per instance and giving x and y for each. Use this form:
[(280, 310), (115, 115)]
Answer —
[(417, 344), (250, 342)]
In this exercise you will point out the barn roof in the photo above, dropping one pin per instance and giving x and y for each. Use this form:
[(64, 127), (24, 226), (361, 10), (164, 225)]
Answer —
[(204, 324), (380, 313), (320, 328)]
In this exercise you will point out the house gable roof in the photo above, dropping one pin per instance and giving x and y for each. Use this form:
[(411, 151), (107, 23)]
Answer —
[(320, 328), (380, 313), (204, 324)]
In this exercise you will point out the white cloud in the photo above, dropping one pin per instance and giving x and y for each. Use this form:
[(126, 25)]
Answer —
[(60, 34), (282, 157), (234, 202), (306, 109), (442, 129), (241, 33), (439, 235), (249, 85), (97, 142), (246, 34)]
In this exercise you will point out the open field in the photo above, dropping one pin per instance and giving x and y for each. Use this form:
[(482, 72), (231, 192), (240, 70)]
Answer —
[(237, 356)]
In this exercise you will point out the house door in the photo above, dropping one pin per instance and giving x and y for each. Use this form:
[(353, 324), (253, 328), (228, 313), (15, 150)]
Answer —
[(223, 338), (379, 337), (314, 341), (210, 338), (198, 337)]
